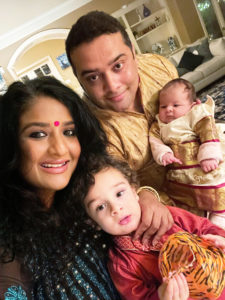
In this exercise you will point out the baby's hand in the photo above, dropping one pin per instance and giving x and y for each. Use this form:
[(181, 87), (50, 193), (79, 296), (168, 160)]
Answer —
[(208, 165), (176, 288), (217, 240), (169, 158)]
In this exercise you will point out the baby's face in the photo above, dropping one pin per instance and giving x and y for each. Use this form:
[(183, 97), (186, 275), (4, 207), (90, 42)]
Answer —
[(174, 103), (113, 203)]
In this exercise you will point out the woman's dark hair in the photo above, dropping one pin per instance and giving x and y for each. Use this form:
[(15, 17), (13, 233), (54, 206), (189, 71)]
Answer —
[(26, 227), (91, 26)]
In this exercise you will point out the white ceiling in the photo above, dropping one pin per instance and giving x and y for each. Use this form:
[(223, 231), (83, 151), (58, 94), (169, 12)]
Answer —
[(21, 18)]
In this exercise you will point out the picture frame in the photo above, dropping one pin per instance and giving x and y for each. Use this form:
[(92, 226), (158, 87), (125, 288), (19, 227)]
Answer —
[(63, 61)]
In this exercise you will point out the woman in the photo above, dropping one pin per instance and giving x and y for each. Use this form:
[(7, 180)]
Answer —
[(46, 134)]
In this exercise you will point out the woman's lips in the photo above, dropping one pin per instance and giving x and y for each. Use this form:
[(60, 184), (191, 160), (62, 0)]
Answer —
[(125, 220), (55, 167)]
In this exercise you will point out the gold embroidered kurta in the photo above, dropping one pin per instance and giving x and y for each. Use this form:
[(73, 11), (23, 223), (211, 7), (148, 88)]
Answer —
[(192, 138), (127, 132)]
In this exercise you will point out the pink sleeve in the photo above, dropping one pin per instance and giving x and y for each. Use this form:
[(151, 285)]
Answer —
[(158, 149), (210, 150)]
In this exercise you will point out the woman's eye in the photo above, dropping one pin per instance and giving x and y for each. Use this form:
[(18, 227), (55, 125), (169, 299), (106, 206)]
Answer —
[(118, 66), (37, 134), (70, 132), (101, 207)]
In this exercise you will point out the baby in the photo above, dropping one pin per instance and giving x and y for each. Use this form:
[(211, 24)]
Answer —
[(112, 203), (185, 138)]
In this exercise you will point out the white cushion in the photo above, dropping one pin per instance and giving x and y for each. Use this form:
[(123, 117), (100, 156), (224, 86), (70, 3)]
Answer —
[(217, 47), (193, 76), (173, 61), (177, 56), (211, 65)]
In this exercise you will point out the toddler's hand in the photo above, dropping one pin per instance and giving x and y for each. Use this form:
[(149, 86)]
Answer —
[(208, 165), (176, 288), (217, 240), (169, 158)]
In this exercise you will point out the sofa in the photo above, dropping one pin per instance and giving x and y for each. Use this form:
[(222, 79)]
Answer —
[(201, 62)]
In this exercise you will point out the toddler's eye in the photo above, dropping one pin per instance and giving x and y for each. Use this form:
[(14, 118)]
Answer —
[(120, 193), (101, 207), (37, 134)]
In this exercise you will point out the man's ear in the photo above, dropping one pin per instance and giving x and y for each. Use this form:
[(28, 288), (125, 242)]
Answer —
[(133, 51)]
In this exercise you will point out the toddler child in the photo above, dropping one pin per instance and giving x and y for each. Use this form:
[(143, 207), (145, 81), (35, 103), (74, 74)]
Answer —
[(184, 137), (111, 201)]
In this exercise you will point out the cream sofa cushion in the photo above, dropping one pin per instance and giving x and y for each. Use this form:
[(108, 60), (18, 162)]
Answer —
[(217, 47)]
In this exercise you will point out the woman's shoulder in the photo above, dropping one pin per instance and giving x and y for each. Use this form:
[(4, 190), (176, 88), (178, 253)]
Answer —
[(15, 281)]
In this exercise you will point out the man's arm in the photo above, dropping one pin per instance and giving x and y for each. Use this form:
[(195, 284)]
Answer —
[(156, 219)]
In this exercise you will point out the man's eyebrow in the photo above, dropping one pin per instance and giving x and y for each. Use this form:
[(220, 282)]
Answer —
[(110, 63)]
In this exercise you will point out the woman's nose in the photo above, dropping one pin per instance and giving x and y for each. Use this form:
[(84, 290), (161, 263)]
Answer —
[(57, 145)]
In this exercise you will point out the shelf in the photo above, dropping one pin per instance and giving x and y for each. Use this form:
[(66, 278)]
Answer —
[(143, 31), (150, 31), (160, 11)]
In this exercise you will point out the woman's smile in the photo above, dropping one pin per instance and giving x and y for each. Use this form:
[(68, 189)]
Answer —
[(55, 167), (49, 153)]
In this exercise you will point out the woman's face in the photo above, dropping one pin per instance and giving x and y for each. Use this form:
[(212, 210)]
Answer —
[(50, 149)]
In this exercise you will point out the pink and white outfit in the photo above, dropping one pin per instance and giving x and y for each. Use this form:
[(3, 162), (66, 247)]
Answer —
[(193, 138)]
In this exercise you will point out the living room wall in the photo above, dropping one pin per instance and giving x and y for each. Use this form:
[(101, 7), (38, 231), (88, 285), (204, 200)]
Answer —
[(51, 48)]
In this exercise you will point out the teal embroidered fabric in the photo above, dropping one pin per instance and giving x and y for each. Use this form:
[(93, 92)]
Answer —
[(15, 293)]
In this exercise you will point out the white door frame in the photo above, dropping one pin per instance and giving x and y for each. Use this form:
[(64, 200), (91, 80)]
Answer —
[(51, 34)]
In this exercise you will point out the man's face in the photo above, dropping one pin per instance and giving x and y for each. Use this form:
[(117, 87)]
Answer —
[(107, 70)]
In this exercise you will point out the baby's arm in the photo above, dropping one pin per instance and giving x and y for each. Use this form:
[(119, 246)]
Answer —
[(161, 153), (210, 153), (176, 288), (169, 158), (209, 165)]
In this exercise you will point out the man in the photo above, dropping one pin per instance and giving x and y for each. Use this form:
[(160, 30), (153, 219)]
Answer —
[(122, 91)]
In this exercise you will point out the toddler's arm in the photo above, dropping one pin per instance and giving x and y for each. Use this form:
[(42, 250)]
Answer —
[(176, 288), (218, 240)]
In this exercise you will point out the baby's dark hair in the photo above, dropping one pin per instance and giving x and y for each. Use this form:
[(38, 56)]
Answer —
[(188, 87), (101, 163)]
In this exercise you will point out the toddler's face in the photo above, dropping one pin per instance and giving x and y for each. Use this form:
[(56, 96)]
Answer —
[(174, 103), (113, 203)]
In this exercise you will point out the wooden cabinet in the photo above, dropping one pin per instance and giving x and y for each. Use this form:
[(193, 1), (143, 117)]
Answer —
[(149, 33)]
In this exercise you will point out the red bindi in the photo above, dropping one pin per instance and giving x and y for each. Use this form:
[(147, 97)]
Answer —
[(56, 123)]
